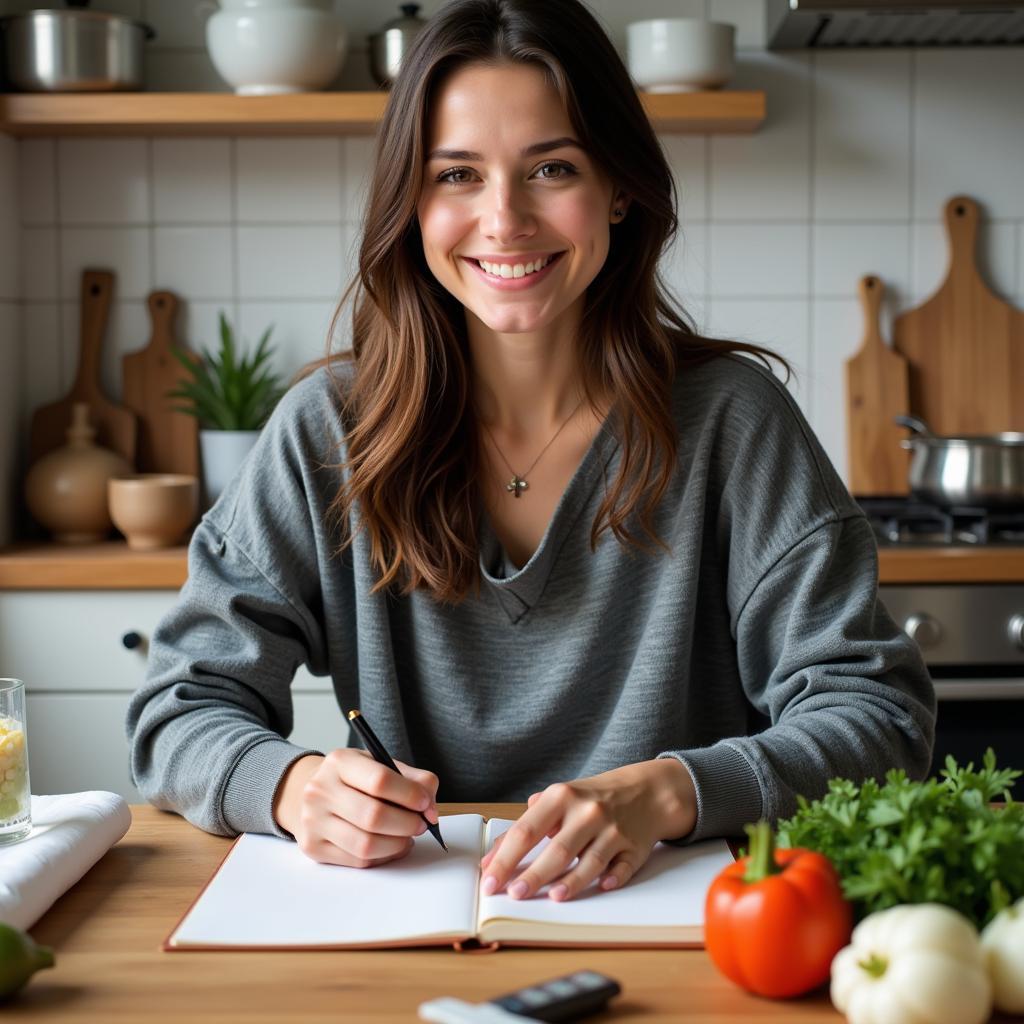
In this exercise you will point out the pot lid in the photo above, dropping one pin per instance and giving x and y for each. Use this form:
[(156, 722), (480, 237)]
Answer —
[(79, 14), (408, 19)]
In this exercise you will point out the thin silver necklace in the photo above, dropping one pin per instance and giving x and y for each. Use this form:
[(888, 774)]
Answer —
[(518, 483)]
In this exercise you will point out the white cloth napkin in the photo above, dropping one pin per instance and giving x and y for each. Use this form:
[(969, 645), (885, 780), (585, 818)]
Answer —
[(70, 832)]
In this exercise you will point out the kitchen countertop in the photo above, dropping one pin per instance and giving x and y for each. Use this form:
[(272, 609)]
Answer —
[(106, 932), (112, 566)]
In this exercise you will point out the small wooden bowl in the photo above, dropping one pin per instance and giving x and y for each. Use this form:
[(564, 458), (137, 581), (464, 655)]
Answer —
[(153, 510)]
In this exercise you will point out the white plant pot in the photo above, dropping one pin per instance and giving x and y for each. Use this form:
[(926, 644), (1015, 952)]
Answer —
[(275, 47), (222, 452)]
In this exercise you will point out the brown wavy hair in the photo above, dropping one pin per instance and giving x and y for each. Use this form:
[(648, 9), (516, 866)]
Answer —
[(414, 453)]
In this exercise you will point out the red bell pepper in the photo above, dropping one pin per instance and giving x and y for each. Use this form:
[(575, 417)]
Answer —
[(774, 919)]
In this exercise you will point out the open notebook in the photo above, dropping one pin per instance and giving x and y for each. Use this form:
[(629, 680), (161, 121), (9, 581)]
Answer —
[(267, 894)]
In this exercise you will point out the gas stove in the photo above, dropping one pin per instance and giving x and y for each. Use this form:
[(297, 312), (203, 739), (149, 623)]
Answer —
[(906, 522), (971, 635)]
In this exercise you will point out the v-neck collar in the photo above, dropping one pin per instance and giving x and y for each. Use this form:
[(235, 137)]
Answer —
[(518, 590)]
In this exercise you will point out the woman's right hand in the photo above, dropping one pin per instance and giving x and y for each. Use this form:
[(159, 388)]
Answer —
[(347, 809)]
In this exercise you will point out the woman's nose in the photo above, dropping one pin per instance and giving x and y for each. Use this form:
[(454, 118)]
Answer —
[(506, 214)]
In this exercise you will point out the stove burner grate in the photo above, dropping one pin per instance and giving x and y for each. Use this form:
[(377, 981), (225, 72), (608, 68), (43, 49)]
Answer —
[(904, 521)]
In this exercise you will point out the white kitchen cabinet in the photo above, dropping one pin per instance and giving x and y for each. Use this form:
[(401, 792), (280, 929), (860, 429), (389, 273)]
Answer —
[(68, 648)]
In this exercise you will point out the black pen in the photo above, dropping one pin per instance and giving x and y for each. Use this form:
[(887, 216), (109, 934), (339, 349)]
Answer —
[(376, 750)]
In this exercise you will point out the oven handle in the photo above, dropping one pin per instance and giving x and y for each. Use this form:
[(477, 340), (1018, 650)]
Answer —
[(979, 689)]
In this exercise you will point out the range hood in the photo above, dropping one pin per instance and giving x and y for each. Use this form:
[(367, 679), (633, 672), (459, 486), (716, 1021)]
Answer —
[(802, 24)]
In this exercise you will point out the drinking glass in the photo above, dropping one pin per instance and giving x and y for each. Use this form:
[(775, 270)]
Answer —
[(15, 803)]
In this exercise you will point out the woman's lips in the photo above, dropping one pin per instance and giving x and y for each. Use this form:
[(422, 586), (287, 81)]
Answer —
[(513, 284)]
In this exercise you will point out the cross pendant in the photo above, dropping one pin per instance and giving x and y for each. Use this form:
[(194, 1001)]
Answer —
[(516, 485)]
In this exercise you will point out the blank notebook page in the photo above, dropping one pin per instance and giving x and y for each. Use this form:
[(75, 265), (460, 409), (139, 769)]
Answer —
[(668, 890), (269, 893)]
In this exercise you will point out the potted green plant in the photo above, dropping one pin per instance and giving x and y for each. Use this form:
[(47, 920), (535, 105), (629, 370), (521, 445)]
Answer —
[(231, 395)]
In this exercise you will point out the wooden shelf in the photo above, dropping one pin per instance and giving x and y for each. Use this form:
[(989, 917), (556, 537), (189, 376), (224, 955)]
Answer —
[(112, 566), (313, 113), (107, 566)]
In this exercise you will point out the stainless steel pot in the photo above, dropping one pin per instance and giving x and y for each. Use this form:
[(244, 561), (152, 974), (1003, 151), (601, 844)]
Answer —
[(390, 44), (985, 471), (73, 51)]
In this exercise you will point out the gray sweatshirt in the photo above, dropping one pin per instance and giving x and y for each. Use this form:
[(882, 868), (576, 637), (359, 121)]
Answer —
[(757, 653)]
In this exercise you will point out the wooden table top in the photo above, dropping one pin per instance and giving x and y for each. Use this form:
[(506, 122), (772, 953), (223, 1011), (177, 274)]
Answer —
[(108, 928)]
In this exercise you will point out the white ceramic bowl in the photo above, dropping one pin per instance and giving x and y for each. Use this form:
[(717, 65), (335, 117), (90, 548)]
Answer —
[(276, 50), (244, 5), (680, 54)]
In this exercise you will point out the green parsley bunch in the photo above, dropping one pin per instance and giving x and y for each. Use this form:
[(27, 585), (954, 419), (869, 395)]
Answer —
[(939, 841)]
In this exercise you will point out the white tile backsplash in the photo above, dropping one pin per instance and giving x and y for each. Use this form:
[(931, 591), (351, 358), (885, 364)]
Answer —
[(844, 253), (192, 181), (298, 331), (357, 155), (43, 372), (177, 23), (848, 176), (197, 325), (289, 180), (103, 181), (688, 157), (861, 126), (124, 251), (767, 176), (39, 263), (759, 260), (748, 17), (195, 262), (37, 181), (969, 129), (778, 324), (684, 269), (10, 263), (300, 262), (182, 71)]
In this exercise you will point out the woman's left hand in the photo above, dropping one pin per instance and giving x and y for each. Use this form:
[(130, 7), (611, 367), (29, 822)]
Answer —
[(609, 821)]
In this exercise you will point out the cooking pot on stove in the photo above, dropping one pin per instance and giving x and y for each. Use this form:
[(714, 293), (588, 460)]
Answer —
[(980, 471)]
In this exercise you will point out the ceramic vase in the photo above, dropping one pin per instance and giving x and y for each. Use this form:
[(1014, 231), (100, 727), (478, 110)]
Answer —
[(66, 490)]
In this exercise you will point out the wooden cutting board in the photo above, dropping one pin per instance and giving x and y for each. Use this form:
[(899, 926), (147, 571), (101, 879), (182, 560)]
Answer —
[(876, 391), (965, 345), (168, 440), (116, 427)]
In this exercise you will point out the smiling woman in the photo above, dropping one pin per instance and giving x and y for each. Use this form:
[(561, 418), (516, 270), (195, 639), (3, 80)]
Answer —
[(553, 542)]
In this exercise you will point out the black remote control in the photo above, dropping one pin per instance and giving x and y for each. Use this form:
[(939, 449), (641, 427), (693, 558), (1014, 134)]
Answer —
[(567, 998)]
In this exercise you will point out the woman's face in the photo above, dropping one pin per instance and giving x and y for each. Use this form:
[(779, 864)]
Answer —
[(501, 196)]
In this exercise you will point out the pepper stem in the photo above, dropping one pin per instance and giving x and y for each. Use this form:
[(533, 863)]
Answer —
[(761, 855), (875, 965)]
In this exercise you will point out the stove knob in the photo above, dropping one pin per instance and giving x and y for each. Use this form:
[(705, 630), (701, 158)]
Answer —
[(1015, 628), (923, 629)]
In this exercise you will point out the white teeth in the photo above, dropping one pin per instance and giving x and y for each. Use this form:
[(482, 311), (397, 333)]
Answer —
[(515, 269)]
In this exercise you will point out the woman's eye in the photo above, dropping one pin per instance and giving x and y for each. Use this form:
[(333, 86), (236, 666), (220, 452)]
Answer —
[(568, 168), (446, 176)]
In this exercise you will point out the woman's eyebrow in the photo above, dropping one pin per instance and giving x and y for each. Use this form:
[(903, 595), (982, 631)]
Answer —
[(537, 147)]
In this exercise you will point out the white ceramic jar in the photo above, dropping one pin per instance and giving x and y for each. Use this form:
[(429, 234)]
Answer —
[(262, 47), (680, 54)]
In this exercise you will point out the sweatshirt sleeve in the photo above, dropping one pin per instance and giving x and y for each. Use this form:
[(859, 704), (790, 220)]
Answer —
[(845, 690), (208, 727)]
